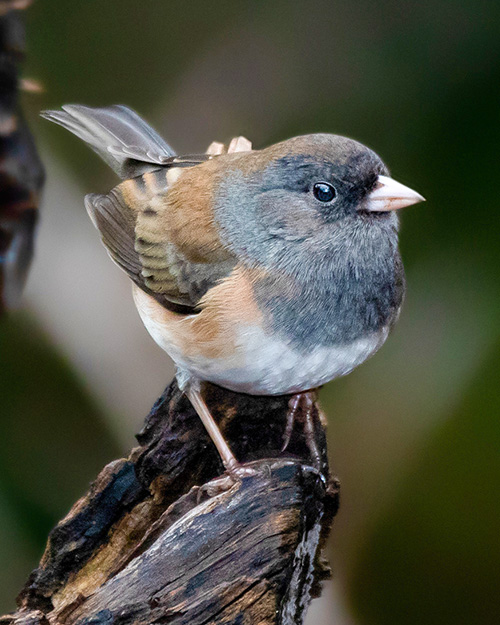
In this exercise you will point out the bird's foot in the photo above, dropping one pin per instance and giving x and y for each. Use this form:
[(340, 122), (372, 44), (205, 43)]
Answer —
[(236, 471), (302, 406), (239, 471), (234, 476)]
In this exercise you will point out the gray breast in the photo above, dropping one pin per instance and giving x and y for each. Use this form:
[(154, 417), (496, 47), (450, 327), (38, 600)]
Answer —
[(330, 298)]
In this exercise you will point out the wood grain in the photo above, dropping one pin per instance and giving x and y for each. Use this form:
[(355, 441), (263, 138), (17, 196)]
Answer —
[(161, 537)]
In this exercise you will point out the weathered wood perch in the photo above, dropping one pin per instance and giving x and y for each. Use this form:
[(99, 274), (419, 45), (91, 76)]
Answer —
[(157, 540)]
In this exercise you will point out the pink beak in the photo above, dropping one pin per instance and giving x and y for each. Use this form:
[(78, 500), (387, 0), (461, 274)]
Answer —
[(390, 195)]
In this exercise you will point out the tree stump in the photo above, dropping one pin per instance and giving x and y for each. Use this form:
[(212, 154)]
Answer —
[(161, 538)]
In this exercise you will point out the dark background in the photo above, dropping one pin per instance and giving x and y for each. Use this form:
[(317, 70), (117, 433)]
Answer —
[(414, 433)]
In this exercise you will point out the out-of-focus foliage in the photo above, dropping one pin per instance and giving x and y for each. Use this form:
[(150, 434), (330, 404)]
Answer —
[(438, 543), (52, 440), (414, 432)]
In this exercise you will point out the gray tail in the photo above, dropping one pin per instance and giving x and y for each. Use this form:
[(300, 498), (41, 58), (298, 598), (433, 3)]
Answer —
[(120, 137)]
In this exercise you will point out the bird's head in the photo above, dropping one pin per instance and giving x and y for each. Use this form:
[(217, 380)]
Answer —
[(310, 192)]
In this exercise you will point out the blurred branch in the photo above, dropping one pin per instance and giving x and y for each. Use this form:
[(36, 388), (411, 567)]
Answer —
[(160, 538), (21, 172)]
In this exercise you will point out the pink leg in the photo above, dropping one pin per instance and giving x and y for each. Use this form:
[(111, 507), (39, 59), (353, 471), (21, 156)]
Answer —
[(233, 467), (302, 405)]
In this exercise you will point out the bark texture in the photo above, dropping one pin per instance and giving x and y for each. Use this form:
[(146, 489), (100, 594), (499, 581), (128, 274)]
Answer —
[(162, 538)]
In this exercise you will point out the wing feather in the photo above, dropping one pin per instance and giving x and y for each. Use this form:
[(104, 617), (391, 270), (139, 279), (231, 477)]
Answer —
[(169, 246), (139, 240)]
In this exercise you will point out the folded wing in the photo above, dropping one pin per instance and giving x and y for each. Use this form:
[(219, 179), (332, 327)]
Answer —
[(169, 248)]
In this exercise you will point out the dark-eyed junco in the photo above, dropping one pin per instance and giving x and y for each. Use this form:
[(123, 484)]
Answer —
[(267, 272)]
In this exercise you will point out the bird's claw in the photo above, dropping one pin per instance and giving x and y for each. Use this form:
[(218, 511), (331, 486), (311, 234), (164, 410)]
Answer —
[(238, 471), (235, 474)]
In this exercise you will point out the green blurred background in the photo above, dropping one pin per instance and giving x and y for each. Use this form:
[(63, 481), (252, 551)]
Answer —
[(414, 433)]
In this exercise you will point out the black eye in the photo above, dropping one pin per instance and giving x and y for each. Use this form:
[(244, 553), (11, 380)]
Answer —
[(324, 192)]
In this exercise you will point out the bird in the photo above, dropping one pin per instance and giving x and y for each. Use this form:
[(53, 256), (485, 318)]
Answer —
[(267, 272)]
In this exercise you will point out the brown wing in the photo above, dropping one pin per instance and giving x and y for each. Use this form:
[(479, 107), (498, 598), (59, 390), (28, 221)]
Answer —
[(161, 232)]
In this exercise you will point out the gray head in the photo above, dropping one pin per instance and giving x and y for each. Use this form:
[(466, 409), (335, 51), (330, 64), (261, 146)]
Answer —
[(307, 199), (319, 211)]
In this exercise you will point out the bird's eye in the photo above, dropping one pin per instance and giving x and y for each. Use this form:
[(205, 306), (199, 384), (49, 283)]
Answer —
[(324, 192)]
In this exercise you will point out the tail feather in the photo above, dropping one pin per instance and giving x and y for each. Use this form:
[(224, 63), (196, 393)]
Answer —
[(121, 138)]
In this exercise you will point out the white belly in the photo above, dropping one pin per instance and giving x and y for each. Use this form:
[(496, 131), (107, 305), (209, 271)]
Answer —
[(268, 366), (256, 363), (274, 368)]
